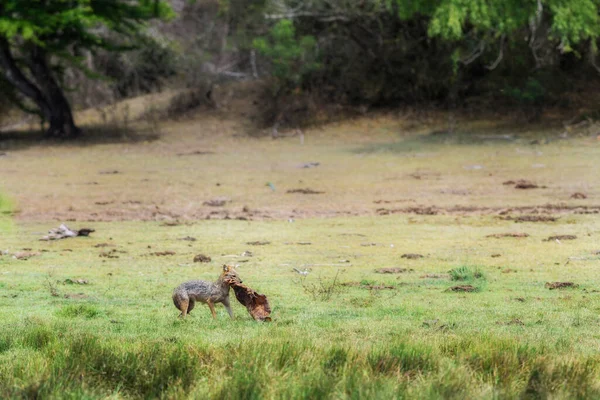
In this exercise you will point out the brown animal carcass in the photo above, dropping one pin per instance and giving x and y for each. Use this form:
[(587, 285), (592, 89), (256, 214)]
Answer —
[(256, 304)]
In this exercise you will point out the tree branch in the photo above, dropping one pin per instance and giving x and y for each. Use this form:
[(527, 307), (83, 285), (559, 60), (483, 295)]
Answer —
[(475, 54), (493, 65)]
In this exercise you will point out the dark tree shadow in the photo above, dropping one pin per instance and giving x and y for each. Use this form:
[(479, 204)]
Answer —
[(91, 135)]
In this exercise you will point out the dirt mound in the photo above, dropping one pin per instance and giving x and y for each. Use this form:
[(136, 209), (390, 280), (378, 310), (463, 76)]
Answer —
[(463, 288), (195, 153), (202, 258), (163, 253), (560, 237), (392, 270), (523, 184), (369, 286), (412, 256), (531, 218), (509, 234), (215, 202), (560, 285), (435, 276), (305, 191), (25, 255), (109, 254)]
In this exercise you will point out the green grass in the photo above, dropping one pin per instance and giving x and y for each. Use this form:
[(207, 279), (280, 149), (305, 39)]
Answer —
[(120, 337), (465, 273)]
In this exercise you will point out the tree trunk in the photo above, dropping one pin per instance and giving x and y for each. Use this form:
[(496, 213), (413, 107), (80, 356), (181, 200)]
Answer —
[(44, 92), (61, 117), (19, 81)]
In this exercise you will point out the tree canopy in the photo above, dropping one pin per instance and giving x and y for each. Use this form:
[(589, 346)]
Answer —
[(38, 38)]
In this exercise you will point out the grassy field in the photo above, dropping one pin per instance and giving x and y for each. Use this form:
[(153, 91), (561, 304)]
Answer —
[(92, 317)]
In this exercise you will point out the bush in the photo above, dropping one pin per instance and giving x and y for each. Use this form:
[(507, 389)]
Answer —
[(292, 57)]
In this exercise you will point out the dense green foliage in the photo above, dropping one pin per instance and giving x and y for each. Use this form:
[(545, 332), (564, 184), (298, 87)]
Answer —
[(39, 38), (56, 24), (385, 52), (293, 58)]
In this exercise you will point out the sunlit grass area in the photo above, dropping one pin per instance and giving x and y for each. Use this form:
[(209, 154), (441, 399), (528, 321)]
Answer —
[(406, 334)]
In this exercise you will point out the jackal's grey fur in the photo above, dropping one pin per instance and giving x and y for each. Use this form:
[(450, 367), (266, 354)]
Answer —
[(186, 294)]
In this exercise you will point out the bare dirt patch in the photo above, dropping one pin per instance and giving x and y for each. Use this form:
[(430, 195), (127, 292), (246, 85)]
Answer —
[(435, 276), (463, 288), (531, 218), (539, 213), (394, 270), (110, 254), (309, 165), (412, 256), (561, 285), (509, 234), (258, 243), (305, 191), (195, 153), (70, 281), (579, 195), (560, 237), (162, 187), (215, 202), (368, 286), (162, 253), (202, 258), (523, 184), (25, 255)]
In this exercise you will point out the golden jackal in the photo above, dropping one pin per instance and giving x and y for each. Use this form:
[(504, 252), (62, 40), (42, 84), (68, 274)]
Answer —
[(186, 294)]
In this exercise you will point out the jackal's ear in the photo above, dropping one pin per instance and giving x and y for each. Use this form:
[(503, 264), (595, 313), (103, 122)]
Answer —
[(225, 268)]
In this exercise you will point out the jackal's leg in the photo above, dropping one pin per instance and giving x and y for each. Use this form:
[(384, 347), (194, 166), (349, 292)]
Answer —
[(228, 307), (212, 309), (191, 306), (183, 306)]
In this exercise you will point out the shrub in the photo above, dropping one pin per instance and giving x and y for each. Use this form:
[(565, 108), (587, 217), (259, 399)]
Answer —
[(465, 273), (292, 57)]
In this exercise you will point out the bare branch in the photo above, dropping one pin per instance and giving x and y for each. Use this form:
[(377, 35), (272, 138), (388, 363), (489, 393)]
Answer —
[(593, 52), (493, 65), (475, 54), (534, 24)]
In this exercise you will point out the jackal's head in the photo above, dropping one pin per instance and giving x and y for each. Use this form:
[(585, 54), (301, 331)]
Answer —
[(230, 276)]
